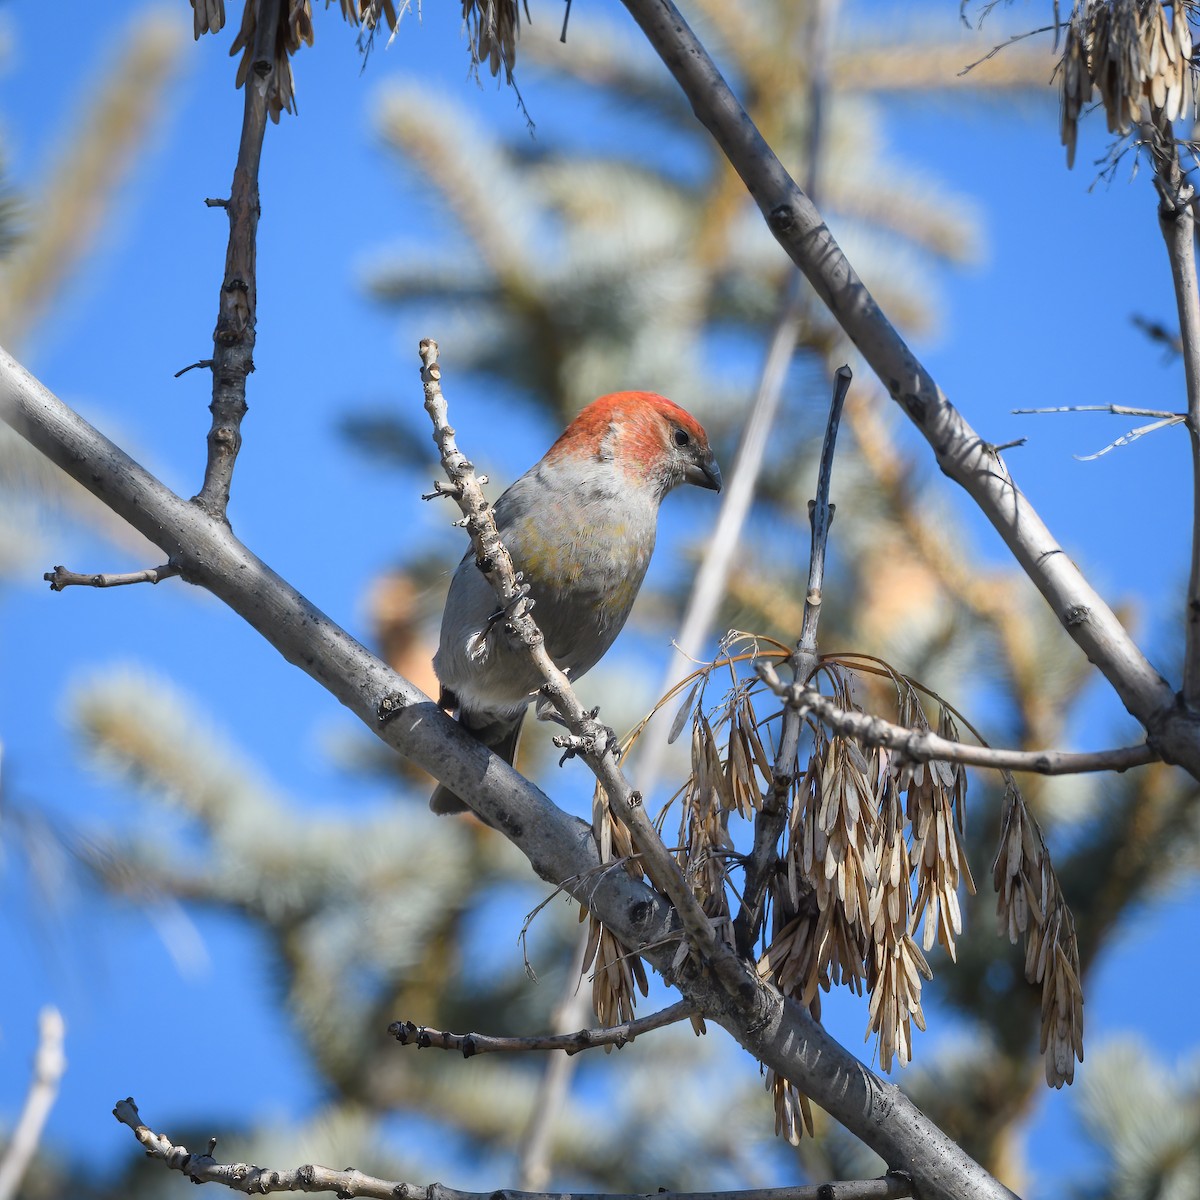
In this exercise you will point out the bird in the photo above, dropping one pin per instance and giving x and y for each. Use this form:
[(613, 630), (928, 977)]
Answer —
[(580, 526)]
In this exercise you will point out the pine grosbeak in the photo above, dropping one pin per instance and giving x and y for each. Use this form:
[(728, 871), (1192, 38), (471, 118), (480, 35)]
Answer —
[(580, 524)]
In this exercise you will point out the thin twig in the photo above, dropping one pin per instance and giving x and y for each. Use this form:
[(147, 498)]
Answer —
[(772, 816), (588, 737), (48, 1066), (245, 1177), (61, 578), (408, 1034), (1016, 37), (1132, 436), (1120, 410), (925, 746), (233, 338), (199, 363), (820, 514), (1163, 420)]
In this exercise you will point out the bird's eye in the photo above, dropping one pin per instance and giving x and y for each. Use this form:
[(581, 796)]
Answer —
[(681, 437)]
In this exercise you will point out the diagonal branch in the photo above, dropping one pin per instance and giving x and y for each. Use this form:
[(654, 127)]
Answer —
[(961, 453), (233, 338), (779, 1033), (260, 1181)]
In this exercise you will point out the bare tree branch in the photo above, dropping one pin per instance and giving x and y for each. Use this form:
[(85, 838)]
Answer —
[(924, 745), (245, 1177), (772, 816), (470, 1044), (961, 453), (48, 1066), (779, 1033), (233, 338)]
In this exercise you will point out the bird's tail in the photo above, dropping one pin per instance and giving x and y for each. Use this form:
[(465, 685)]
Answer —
[(499, 735)]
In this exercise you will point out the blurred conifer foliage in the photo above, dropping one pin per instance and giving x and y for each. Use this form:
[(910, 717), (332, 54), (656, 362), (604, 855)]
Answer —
[(570, 271)]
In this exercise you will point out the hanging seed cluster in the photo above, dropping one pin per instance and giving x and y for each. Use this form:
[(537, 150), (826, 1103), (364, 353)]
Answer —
[(1030, 904), (493, 27), (1132, 54), (869, 865), (295, 29), (872, 851)]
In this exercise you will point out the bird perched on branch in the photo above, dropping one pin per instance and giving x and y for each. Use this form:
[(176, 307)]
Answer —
[(580, 525)]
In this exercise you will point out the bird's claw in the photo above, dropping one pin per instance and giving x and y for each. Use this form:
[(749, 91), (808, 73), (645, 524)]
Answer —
[(596, 743)]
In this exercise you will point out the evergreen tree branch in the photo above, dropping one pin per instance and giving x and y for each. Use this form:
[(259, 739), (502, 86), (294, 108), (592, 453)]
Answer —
[(961, 453), (924, 745), (233, 338), (779, 1033), (470, 1044), (245, 1177)]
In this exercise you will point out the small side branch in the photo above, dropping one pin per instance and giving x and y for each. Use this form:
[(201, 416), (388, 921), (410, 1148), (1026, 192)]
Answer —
[(254, 1180), (61, 578), (820, 513), (771, 818), (925, 746), (233, 338), (589, 738), (48, 1067), (469, 1044)]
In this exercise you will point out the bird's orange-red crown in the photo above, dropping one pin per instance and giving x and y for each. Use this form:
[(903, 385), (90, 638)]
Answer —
[(645, 416)]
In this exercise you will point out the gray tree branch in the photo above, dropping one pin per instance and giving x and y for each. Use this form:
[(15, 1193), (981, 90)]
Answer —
[(779, 1033), (260, 1181), (924, 745), (961, 453)]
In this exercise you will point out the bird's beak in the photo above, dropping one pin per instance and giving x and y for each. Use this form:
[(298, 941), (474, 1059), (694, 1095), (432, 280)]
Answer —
[(705, 473)]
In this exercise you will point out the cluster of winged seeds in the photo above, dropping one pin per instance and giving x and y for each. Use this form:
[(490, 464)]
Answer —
[(867, 869), (1131, 53)]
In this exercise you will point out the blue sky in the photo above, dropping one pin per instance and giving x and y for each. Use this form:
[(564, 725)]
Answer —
[(1043, 320)]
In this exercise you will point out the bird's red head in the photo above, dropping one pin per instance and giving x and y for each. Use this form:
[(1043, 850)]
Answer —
[(649, 437)]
